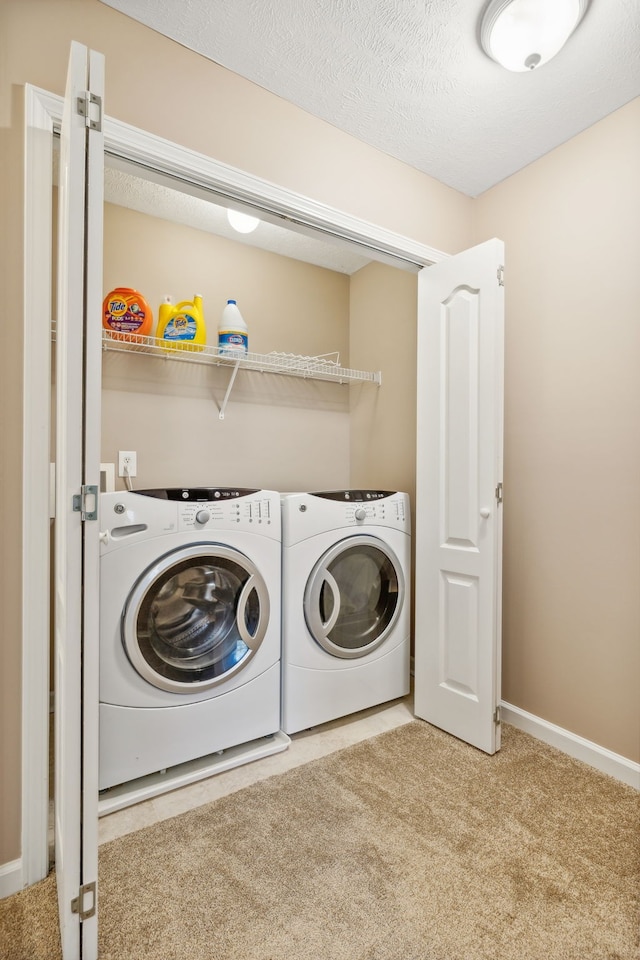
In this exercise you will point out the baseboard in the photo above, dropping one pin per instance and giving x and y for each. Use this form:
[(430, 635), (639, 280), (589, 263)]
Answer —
[(10, 878), (594, 755)]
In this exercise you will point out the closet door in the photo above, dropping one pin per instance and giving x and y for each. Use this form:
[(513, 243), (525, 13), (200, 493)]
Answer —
[(78, 365), (459, 494)]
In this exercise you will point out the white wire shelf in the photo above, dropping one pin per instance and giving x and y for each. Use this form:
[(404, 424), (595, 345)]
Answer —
[(326, 367)]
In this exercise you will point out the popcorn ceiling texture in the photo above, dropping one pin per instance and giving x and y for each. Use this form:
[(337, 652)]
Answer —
[(158, 200), (409, 77)]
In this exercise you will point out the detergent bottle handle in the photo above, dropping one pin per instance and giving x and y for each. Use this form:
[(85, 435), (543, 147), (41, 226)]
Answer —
[(165, 308)]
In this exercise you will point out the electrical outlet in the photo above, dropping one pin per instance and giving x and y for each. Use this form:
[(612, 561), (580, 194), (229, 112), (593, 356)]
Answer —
[(127, 463)]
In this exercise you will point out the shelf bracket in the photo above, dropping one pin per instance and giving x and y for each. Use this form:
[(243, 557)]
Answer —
[(229, 389)]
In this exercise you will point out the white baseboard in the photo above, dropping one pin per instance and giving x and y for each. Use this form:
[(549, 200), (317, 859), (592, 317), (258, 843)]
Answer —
[(10, 878), (570, 743)]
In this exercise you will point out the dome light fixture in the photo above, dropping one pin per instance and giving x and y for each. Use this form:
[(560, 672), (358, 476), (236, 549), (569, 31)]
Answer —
[(242, 222), (524, 34)]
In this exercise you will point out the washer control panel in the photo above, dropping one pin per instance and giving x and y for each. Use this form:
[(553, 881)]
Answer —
[(205, 514), (197, 494), (241, 512)]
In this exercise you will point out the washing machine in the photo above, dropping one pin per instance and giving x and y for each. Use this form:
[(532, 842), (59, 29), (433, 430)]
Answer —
[(190, 591), (346, 604)]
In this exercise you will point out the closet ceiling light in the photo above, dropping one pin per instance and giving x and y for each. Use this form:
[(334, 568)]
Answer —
[(524, 34), (242, 222)]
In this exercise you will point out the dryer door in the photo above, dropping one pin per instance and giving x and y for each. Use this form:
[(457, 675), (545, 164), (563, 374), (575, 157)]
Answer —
[(195, 617), (354, 596)]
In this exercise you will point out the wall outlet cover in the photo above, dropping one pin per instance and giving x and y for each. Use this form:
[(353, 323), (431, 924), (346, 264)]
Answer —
[(127, 459)]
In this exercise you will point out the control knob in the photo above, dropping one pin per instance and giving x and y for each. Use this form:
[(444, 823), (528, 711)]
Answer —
[(361, 514), (203, 516)]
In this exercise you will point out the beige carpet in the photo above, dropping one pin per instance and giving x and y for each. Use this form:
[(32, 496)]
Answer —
[(409, 846)]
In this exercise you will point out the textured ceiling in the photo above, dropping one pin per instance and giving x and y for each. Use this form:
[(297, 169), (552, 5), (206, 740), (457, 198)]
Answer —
[(409, 77), (125, 188)]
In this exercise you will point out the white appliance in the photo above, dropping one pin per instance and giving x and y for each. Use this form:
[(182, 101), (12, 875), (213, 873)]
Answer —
[(189, 625), (346, 608)]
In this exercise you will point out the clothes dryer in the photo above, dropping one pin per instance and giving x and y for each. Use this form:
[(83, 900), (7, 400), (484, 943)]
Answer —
[(346, 604), (190, 585)]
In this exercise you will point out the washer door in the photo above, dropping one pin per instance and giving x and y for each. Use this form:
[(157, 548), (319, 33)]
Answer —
[(195, 617), (353, 596)]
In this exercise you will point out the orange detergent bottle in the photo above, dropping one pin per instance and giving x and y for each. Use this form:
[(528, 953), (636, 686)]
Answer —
[(126, 314)]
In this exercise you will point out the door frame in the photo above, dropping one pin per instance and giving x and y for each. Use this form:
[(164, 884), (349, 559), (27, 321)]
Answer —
[(199, 175)]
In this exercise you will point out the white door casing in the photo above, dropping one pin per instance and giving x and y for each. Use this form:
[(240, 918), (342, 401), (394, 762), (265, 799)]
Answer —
[(78, 373), (198, 173), (458, 494)]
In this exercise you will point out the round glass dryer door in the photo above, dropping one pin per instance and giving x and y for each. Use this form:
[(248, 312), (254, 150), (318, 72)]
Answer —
[(195, 617), (353, 596)]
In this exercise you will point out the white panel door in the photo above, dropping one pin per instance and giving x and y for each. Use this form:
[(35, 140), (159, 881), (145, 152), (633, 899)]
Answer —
[(458, 565), (78, 366)]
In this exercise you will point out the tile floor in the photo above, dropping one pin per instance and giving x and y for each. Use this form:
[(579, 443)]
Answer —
[(305, 746)]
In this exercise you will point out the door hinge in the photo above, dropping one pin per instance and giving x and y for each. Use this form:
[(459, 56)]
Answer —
[(86, 502), (496, 715), (499, 492), (89, 106), (77, 904), (501, 275)]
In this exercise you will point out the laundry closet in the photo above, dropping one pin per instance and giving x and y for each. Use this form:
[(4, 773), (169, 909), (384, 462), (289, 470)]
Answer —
[(191, 587), (278, 432), (191, 422)]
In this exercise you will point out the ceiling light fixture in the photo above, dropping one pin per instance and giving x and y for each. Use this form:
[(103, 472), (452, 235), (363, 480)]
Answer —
[(524, 34), (242, 222)]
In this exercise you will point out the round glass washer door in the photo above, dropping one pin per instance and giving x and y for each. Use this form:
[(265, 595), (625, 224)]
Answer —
[(354, 596), (195, 618)]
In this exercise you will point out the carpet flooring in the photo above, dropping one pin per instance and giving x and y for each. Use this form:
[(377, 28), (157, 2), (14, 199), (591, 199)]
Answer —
[(408, 846)]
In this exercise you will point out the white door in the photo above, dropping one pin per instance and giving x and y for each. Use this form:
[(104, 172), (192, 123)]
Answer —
[(458, 565), (78, 366)]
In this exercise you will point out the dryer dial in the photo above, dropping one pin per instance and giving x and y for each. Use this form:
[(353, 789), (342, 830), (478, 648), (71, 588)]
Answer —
[(203, 516)]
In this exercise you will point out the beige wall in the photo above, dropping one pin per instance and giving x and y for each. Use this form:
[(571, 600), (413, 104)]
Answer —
[(278, 432), (184, 98), (383, 337), (571, 226)]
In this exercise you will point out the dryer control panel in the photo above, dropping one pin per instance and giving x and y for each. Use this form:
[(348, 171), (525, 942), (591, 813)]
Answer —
[(376, 511), (307, 514), (353, 496), (368, 506)]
